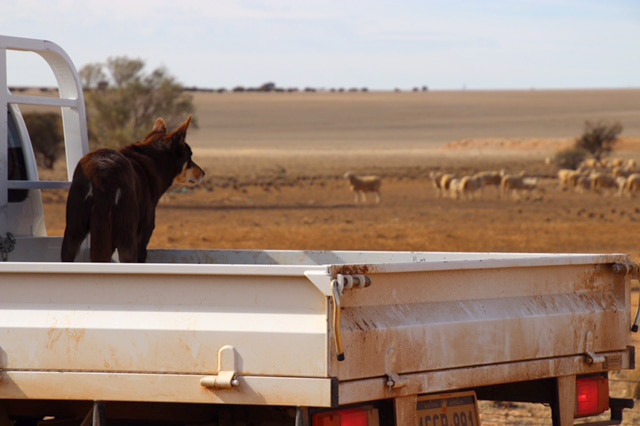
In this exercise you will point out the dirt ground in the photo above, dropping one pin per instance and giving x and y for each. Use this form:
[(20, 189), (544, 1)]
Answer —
[(303, 202)]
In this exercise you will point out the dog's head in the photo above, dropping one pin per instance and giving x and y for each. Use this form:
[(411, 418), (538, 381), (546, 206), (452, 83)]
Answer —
[(189, 173)]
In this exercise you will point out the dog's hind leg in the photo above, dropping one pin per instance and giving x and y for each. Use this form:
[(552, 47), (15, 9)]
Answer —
[(77, 224), (127, 254), (127, 247), (71, 244)]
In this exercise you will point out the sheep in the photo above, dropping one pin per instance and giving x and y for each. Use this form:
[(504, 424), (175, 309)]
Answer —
[(583, 182), (464, 187), (563, 177), (613, 162), (360, 185), (604, 181), (469, 185), (590, 164), (622, 182), (630, 164), (568, 178), (441, 182), (454, 187), (436, 179), (517, 183), (445, 182), (490, 178), (619, 171), (631, 184)]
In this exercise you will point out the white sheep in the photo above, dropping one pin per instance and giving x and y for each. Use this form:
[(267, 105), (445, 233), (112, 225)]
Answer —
[(605, 181), (360, 185), (441, 182), (468, 186), (445, 182), (490, 178), (517, 183), (464, 187), (631, 184), (569, 178), (619, 171), (454, 187), (590, 164), (436, 179), (583, 183), (630, 164), (611, 163)]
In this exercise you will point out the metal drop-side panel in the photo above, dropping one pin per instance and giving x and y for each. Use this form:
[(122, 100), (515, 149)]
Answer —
[(157, 329)]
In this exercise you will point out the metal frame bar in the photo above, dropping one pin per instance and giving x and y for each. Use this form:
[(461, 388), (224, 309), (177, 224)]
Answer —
[(70, 101)]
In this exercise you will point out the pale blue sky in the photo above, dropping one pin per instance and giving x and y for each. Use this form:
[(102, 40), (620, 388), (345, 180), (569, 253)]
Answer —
[(378, 44)]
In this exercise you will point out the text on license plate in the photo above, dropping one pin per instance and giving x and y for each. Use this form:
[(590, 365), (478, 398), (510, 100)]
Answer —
[(458, 409)]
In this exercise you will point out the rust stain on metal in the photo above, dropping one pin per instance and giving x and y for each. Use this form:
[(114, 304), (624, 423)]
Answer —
[(588, 280), (353, 269), (361, 324), (360, 320), (76, 336), (53, 335)]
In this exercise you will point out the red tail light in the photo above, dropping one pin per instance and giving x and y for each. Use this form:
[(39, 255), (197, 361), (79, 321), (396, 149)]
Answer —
[(362, 416), (592, 396)]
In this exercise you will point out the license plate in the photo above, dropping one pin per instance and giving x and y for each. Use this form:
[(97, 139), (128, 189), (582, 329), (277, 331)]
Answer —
[(456, 409)]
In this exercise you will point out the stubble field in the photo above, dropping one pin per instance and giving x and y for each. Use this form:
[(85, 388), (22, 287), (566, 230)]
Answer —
[(275, 163)]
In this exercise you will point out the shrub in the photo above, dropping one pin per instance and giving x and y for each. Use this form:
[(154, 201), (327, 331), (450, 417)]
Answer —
[(570, 158), (123, 102), (45, 131), (599, 138)]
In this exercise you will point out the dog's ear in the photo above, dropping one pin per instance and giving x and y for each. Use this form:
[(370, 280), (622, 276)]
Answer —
[(159, 126), (183, 128), (180, 133), (159, 131)]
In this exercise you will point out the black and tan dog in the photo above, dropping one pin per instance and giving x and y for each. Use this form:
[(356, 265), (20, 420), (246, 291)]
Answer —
[(114, 194)]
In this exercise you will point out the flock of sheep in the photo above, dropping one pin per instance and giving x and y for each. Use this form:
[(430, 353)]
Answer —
[(613, 176), (468, 187), (465, 187)]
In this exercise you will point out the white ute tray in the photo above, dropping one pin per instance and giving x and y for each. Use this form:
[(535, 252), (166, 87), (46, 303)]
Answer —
[(257, 327)]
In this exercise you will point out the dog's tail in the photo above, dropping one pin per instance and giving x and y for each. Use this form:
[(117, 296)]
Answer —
[(101, 226), (113, 224)]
